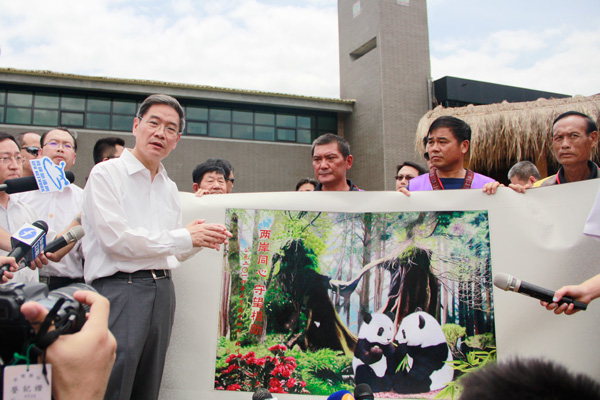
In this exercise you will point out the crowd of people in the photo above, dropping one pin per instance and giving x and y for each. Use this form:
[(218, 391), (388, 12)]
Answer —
[(128, 257)]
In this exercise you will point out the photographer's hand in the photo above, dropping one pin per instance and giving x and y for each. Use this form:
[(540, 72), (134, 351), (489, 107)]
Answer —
[(81, 362), (7, 275)]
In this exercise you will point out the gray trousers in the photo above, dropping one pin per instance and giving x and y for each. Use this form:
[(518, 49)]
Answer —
[(141, 317)]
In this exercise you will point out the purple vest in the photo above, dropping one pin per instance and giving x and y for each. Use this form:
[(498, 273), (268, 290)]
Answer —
[(422, 182)]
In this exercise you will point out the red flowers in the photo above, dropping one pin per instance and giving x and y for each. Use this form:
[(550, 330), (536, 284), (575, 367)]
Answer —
[(246, 373)]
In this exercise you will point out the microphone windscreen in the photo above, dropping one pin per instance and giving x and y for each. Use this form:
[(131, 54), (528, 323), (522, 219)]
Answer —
[(501, 281), (41, 225), (76, 232), (341, 395), (261, 394)]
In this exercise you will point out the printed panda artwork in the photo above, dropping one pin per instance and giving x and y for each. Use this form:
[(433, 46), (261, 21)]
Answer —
[(319, 302), (421, 339), (374, 352)]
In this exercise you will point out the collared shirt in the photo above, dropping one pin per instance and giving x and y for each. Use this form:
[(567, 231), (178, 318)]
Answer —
[(131, 222), (59, 209), (353, 187), (12, 218), (559, 178)]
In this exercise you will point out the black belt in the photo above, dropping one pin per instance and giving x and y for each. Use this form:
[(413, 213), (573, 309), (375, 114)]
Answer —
[(55, 282), (143, 274)]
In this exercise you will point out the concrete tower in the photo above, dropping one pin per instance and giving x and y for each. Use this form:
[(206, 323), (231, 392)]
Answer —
[(384, 66)]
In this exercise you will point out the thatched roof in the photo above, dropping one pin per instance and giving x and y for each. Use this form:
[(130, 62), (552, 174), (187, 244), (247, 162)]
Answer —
[(510, 131)]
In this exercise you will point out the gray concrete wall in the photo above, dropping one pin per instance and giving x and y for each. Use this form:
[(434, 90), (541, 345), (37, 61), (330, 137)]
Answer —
[(389, 84)]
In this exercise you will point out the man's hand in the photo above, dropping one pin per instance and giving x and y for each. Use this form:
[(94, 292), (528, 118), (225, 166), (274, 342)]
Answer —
[(585, 292), (201, 192), (8, 275), (81, 362), (40, 261), (491, 187), (404, 190), (519, 188), (208, 235)]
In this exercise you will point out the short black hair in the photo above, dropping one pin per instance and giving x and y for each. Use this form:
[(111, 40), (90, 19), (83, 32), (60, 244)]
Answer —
[(60, 128), (4, 136), (106, 147), (532, 379), (460, 129), (416, 166), (205, 168), (224, 164), (343, 145), (304, 181), (589, 122)]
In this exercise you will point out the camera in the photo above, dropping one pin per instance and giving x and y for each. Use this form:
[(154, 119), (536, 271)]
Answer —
[(16, 333)]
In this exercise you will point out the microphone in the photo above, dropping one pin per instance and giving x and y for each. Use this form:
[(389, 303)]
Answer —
[(72, 235), (509, 283), (27, 243), (27, 183), (363, 391), (262, 394), (341, 395)]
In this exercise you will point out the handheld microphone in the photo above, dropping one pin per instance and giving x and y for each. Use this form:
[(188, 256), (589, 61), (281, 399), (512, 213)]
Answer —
[(509, 283), (341, 395), (26, 183), (72, 235), (363, 391), (28, 243)]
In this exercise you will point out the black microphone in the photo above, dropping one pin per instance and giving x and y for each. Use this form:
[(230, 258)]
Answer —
[(27, 242), (27, 183), (363, 391), (509, 283), (72, 235)]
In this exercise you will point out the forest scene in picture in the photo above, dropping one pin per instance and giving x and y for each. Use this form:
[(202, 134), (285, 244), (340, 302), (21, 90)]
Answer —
[(317, 302)]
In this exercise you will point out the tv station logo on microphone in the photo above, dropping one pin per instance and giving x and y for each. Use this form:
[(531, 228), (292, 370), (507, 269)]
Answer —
[(49, 176), (31, 236)]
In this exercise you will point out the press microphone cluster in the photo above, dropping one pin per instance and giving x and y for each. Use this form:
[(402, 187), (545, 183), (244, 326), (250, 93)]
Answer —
[(26, 184), (27, 244), (509, 283)]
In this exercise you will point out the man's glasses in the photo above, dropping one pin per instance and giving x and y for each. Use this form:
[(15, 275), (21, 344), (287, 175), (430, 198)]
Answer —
[(55, 145), (34, 151), (401, 177), (6, 160)]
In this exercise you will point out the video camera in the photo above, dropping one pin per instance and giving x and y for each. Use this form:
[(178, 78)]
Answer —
[(17, 334)]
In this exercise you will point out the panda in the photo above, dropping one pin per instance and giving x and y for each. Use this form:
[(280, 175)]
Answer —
[(374, 352), (421, 338)]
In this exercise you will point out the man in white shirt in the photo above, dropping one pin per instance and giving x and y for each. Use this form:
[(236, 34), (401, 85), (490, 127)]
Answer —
[(13, 213), (58, 209), (134, 237)]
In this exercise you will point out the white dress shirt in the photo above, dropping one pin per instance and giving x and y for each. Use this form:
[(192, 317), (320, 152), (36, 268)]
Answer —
[(131, 222), (59, 209), (11, 219)]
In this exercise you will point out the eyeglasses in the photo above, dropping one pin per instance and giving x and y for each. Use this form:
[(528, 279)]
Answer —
[(55, 145), (34, 151), (155, 125), (230, 179), (6, 160), (401, 177)]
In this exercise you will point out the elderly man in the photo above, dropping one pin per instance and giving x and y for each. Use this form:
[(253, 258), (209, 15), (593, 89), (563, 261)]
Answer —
[(448, 142), (209, 178), (574, 137), (134, 236), (59, 208), (331, 160), (29, 142), (524, 173)]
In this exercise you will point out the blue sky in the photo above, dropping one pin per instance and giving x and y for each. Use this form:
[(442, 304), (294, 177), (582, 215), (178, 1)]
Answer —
[(290, 46)]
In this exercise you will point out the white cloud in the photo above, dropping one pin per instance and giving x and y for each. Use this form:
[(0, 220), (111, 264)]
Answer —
[(559, 60)]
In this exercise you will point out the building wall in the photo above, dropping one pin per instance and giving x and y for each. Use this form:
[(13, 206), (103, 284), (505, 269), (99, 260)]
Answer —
[(388, 83)]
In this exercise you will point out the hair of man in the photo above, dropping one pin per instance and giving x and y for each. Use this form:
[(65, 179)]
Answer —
[(411, 164), (460, 129), (166, 100), (589, 122), (106, 147), (523, 170), (206, 167), (60, 128), (4, 136), (224, 164), (533, 379), (304, 181), (343, 145), (20, 137)]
